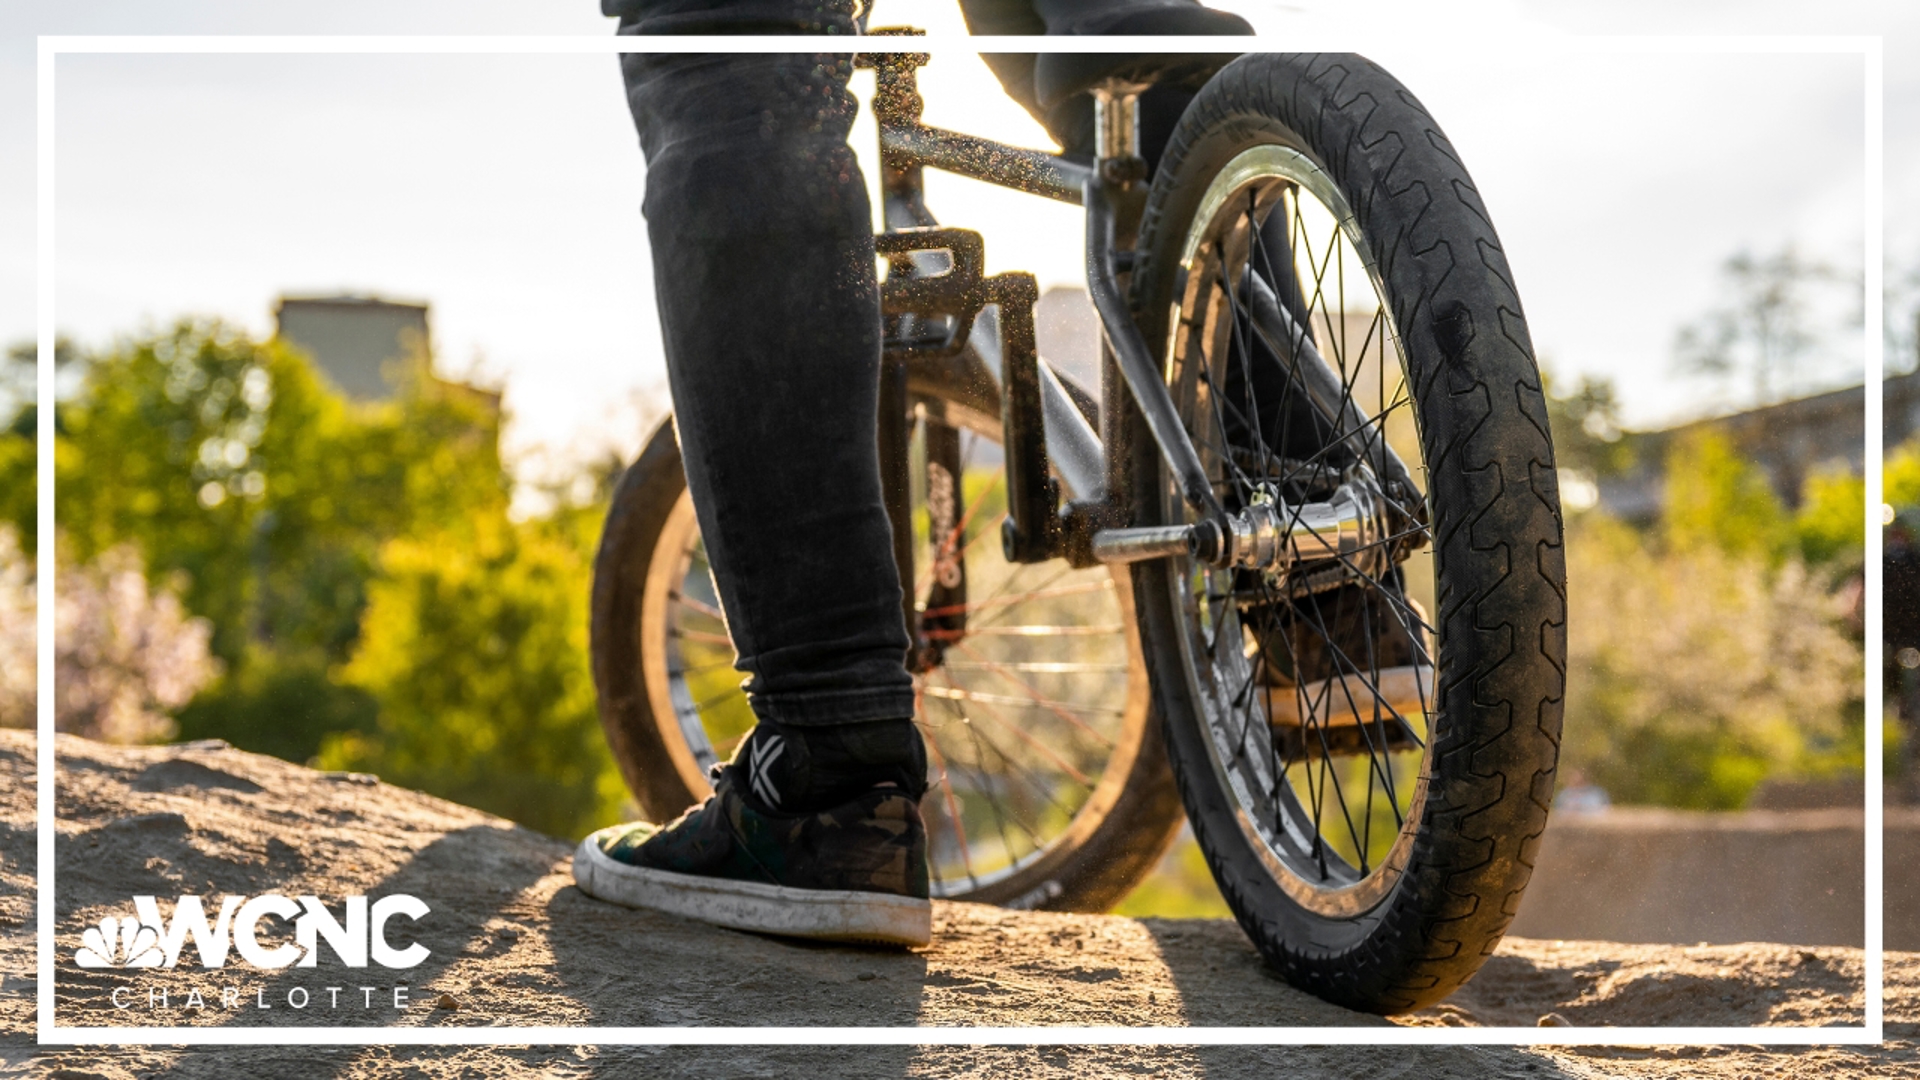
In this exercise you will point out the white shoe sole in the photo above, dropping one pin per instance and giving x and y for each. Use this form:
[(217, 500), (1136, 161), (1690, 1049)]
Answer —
[(828, 914)]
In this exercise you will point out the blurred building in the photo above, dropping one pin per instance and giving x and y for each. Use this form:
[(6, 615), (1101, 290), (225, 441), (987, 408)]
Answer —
[(1787, 441), (370, 349)]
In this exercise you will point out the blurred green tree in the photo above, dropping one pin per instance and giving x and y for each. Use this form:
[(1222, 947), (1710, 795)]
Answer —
[(1695, 674), (1715, 498), (372, 604), (1831, 524), (1585, 418), (1711, 651), (19, 422), (230, 459), (20, 481), (475, 647), (1900, 476)]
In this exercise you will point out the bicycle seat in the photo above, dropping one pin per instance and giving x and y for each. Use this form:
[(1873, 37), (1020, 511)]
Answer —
[(1058, 77)]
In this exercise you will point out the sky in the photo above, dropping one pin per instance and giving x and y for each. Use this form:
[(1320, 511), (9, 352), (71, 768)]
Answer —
[(505, 190)]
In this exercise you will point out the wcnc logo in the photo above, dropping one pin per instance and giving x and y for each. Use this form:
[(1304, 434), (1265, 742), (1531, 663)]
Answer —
[(146, 940)]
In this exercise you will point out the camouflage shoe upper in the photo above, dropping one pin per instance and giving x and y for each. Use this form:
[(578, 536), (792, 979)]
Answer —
[(875, 842)]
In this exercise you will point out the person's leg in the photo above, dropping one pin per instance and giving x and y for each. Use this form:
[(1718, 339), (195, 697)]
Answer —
[(763, 263), (764, 274)]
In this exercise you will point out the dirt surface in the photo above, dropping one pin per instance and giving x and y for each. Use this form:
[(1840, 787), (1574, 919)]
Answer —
[(511, 942)]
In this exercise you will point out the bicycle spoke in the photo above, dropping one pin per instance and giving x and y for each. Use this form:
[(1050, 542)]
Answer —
[(1040, 667), (702, 607), (703, 706), (984, 786), (1353, 707), (1326, 640), (1045, 751), (701, 637), (1241, 330), (700, 669), (1059, 709), (1378, 765), (1038, 630), (1318, 797), (994, 806), (1032, 777), (1317, 630), (1018, 702), (954, 821), (1007, 601), (1001, 812)]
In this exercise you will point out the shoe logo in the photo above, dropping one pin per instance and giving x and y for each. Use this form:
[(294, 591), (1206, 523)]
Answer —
[(764, 753)]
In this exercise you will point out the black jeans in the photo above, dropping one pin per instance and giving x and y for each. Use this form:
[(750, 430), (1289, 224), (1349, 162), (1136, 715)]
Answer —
[(763, 266), (764, 273)]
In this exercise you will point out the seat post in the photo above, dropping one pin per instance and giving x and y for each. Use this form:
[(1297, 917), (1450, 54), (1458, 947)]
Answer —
[(1116, 131)]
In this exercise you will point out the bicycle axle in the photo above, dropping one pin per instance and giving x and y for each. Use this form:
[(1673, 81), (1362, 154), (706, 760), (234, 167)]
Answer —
[(1268, 534)]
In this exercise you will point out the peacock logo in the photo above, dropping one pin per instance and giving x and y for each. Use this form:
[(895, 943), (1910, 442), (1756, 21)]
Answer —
[(120, 942)]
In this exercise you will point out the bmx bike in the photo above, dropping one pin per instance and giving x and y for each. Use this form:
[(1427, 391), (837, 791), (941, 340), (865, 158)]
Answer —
[(1292, 571)]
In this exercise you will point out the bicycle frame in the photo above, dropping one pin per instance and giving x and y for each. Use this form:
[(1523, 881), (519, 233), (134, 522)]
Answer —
[(932, 316)]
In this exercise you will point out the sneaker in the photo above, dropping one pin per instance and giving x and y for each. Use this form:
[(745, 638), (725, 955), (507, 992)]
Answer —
[(854, 872)]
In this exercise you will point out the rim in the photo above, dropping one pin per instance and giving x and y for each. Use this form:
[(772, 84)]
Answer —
[(1315, 685), (1034, 705)]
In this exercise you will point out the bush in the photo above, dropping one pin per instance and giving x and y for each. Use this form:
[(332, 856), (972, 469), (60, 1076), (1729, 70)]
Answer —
[(1693, 675), (125, 655), (1715, 499), (17, 633), (373, 605), (1900, 476), (280, 705), (231, 461), (476, 651), (1832, 524)]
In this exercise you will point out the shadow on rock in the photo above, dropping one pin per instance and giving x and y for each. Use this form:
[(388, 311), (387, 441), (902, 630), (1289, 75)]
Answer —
[(465, 877), (1222, 981), (645, 968)]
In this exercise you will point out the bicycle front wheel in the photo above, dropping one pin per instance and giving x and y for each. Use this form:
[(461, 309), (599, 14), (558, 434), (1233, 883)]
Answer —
[(1365, 741)]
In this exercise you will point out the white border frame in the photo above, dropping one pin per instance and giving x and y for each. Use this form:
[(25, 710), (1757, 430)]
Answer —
[(47, 1031)]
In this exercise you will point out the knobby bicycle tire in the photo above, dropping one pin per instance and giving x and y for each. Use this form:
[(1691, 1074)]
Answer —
[(1441, 899)]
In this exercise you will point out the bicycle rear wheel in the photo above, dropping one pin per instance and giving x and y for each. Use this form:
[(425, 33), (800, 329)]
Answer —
[(1365, 743), (1049, 783)]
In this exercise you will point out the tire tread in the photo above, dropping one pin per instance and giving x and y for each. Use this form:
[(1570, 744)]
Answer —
[(1489, 454)]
